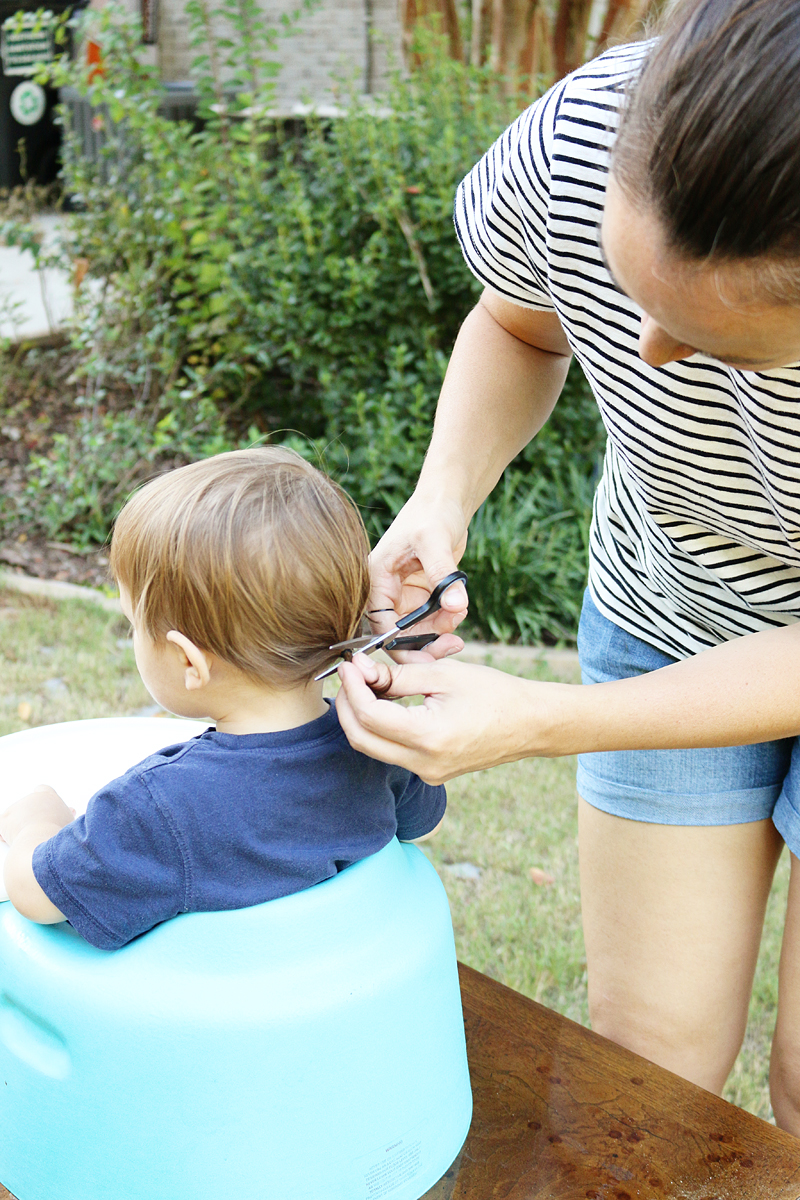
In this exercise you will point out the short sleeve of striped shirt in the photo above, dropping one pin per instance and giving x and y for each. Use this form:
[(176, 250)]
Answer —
[(501, 209)]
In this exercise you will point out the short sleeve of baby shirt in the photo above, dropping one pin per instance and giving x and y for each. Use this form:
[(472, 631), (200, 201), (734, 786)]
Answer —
[(117, 871), (501, 208), (419, 807)]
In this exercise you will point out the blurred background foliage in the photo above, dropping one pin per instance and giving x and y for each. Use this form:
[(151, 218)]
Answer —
[(246, 280), (527, 41)]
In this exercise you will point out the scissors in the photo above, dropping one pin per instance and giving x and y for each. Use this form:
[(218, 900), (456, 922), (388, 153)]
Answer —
[(389, 639)]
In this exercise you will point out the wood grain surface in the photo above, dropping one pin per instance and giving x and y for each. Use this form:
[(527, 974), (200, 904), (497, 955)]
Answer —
[(563, 1114)]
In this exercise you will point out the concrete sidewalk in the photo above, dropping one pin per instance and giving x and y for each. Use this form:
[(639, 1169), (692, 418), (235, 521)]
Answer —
[(31, 306)]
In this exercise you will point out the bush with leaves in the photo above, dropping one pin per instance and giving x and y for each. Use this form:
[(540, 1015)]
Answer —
[(305, 286)]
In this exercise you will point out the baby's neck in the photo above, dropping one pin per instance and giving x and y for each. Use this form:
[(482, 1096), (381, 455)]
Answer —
[(249, 708)]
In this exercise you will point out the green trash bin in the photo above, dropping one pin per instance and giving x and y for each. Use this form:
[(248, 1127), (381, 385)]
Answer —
[(27, 110)]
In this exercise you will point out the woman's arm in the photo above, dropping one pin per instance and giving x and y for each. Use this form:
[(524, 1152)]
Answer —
[(746, 690), (505, 375)]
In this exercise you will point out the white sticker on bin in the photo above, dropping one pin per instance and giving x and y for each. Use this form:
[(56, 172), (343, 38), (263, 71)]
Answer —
[(383, 1171)]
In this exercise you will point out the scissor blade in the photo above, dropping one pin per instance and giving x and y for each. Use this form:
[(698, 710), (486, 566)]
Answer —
[(365, 644), (353, 644), (378, 641)]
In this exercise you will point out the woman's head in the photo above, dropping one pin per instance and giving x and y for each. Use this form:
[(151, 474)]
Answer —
[(706, 166), (709, 138), (254, 556)]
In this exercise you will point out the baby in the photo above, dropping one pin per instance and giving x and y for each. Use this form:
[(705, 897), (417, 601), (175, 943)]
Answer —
[(237, 574)]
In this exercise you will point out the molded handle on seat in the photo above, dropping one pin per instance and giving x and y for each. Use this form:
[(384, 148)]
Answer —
[(33, 1040)]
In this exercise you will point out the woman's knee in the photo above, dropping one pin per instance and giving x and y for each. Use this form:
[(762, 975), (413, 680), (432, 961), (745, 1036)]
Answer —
[(677, 1038)]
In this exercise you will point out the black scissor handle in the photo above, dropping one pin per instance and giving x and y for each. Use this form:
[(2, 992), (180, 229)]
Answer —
[(415, 641), (434, 601)]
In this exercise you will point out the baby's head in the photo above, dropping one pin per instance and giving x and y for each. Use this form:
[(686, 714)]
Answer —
[(254, 556)]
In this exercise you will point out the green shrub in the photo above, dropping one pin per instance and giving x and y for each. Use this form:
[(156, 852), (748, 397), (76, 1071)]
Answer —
[(307, 288), (89, 472)]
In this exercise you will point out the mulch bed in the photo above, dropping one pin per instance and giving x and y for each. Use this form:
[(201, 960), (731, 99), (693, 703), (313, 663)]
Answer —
[(55, 560)]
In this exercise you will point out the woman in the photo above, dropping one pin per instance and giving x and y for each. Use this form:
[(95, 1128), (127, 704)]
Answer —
[(667, 257)]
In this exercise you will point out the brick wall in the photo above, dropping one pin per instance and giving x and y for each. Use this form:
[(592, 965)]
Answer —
[(331, 40)]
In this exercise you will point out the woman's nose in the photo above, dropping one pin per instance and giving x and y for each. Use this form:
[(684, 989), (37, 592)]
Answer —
[(657, 347)]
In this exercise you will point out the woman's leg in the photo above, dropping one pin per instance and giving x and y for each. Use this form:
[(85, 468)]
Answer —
[(672, 918), (784, 1072)]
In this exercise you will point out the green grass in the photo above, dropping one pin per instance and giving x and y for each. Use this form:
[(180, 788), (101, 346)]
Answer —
[(747, 1085), (504, 822), (67, 661)]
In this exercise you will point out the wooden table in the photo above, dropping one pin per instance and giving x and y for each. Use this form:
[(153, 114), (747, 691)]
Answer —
[(563, 1114)]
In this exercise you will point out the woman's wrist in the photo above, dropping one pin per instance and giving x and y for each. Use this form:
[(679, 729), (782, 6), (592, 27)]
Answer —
[(447, 488), (516, 718), (558, 719), (544, 723)]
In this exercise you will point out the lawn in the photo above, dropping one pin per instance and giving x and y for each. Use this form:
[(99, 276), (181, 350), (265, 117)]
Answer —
[(68, 660)]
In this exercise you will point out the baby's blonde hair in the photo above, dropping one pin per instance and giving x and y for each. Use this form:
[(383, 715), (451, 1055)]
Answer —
[(254, 555)]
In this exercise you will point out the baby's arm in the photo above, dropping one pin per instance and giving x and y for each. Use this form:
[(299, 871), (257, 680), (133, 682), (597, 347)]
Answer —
[(32, 820), (425, 836), (419, 806)]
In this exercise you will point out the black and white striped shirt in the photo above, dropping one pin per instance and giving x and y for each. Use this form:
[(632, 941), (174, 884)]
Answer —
[(696, 530)]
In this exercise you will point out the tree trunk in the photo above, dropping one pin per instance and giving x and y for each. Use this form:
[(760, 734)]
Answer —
[(624, 20), (536, 58), (524, 37), (481, 32), (414, 11), (569, 35), (511, 25)]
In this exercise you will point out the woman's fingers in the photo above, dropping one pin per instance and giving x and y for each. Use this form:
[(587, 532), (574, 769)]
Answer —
[(386, 731), (414, 590), (391, 732), (471, 717), (395, 680), (420, 549), (445, 645)]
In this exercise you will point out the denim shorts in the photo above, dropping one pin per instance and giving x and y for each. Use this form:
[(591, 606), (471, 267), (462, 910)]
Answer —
[(726, 785)]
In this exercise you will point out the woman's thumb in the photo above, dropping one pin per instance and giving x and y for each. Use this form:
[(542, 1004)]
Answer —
[(438, 562)]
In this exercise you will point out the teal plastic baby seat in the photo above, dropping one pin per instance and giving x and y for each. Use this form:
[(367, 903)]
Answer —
[(311, 1048)]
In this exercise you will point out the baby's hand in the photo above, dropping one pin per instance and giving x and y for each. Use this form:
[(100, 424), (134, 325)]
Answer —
[(42, 806)]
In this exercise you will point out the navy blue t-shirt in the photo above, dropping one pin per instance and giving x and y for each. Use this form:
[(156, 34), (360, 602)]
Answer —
[(225, 821)]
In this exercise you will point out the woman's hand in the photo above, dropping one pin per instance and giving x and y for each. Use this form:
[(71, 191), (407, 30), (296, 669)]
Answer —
[(422, 546), (740, 692), (471, 718), (508, 366)]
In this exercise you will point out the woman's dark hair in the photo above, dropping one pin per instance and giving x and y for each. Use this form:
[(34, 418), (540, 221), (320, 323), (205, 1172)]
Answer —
[(710, 136)]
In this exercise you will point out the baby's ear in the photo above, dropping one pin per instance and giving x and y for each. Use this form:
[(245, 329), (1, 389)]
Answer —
[(196, 663)]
